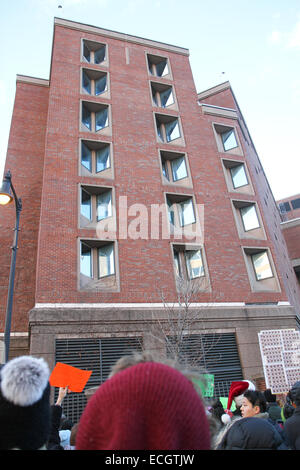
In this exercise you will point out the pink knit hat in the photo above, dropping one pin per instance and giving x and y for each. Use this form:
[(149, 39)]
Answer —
[(148, 406)]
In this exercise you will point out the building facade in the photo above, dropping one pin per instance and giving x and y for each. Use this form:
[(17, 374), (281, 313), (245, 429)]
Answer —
[(290, 215), (141, 199)]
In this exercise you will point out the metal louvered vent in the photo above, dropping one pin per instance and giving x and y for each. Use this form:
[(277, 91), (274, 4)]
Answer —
[(214, 353), (98, 355)]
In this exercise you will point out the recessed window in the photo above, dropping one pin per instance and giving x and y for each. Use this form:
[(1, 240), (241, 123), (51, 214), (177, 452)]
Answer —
[(295, 203), (249, 217), (95, 157), (174, 166), (162, 95), (96, 204), (188, 262), (158, 66), (168, 128), (239, 176), (229, 140), (181, 211), (94, 82), (262, 265), (98, 265), (284, 207), (94, 52), (94, 116)]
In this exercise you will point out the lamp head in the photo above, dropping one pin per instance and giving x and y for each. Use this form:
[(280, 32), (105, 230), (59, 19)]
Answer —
[(5, 193)]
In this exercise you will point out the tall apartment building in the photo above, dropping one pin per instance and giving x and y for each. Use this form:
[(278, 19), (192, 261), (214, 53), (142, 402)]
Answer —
[(137, 189)]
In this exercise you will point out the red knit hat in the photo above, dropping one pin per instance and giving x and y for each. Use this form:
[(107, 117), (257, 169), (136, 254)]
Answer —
[(148, 406)]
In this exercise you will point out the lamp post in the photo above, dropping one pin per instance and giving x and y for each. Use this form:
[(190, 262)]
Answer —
[(6, 198)]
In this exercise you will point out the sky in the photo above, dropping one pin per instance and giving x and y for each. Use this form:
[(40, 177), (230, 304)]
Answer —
[(255, 45)]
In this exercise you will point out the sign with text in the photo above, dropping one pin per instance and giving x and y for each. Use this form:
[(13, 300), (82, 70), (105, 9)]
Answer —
[(280, 353)]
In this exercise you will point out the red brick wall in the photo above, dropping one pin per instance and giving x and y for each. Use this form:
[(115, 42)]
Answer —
[(25, 158), (292, 238)]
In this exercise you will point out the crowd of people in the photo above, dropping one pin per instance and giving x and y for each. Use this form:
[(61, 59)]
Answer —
[(145, 404)]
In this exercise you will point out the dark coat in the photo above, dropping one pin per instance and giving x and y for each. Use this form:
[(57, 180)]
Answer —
[(292, 429), (252, 434), (54, 439)]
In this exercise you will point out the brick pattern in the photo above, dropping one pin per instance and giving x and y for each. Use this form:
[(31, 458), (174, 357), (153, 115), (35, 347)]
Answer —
[(25, 160)]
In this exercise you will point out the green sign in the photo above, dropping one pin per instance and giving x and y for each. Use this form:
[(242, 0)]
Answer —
[(206, 385)]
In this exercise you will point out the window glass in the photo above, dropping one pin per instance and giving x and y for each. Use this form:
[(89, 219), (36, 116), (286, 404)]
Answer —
[(160, 131), (166, 97), (179, 168), (162, 68), (238, 175), (177, 263), (101, 85), (186, 212), (101, 119), (171, 212), (86, 82), (86, 53), (295, 203), (86, 117), (86, 260), (99, 55), (86, 157), (86, 204), (106, 260), (165, 169), (262, 266), (102, 159), (284, 207), (104, 205), (194, 264), (249, 217), (229, 140), (172, 130)]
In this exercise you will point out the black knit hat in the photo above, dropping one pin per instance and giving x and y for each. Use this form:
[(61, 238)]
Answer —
[(295, 393), (24, 404)]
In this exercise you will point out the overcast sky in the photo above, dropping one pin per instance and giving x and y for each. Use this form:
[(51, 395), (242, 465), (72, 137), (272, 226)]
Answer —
[(253, 44)]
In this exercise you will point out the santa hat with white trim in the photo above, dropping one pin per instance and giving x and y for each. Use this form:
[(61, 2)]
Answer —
[(236, 392), (24, 403)]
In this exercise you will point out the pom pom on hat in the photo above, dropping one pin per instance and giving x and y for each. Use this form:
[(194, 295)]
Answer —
[(24, 403), (24, 379)]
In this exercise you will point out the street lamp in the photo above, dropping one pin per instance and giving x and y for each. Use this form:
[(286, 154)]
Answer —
[(7, 195)]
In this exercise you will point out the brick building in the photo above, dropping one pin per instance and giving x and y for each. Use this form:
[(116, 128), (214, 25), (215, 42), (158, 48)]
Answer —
[(290, 214), (135, 189)]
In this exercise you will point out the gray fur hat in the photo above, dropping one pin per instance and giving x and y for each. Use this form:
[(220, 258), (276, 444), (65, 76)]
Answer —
[(24, 403)]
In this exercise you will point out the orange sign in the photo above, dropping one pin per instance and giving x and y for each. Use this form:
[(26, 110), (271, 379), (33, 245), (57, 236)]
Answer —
[(64, 375)]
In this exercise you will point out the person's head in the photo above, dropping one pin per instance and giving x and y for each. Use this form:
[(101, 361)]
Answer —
[(253, 403), (269, 396), (294, 394), (146, 406), (24, 403)]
